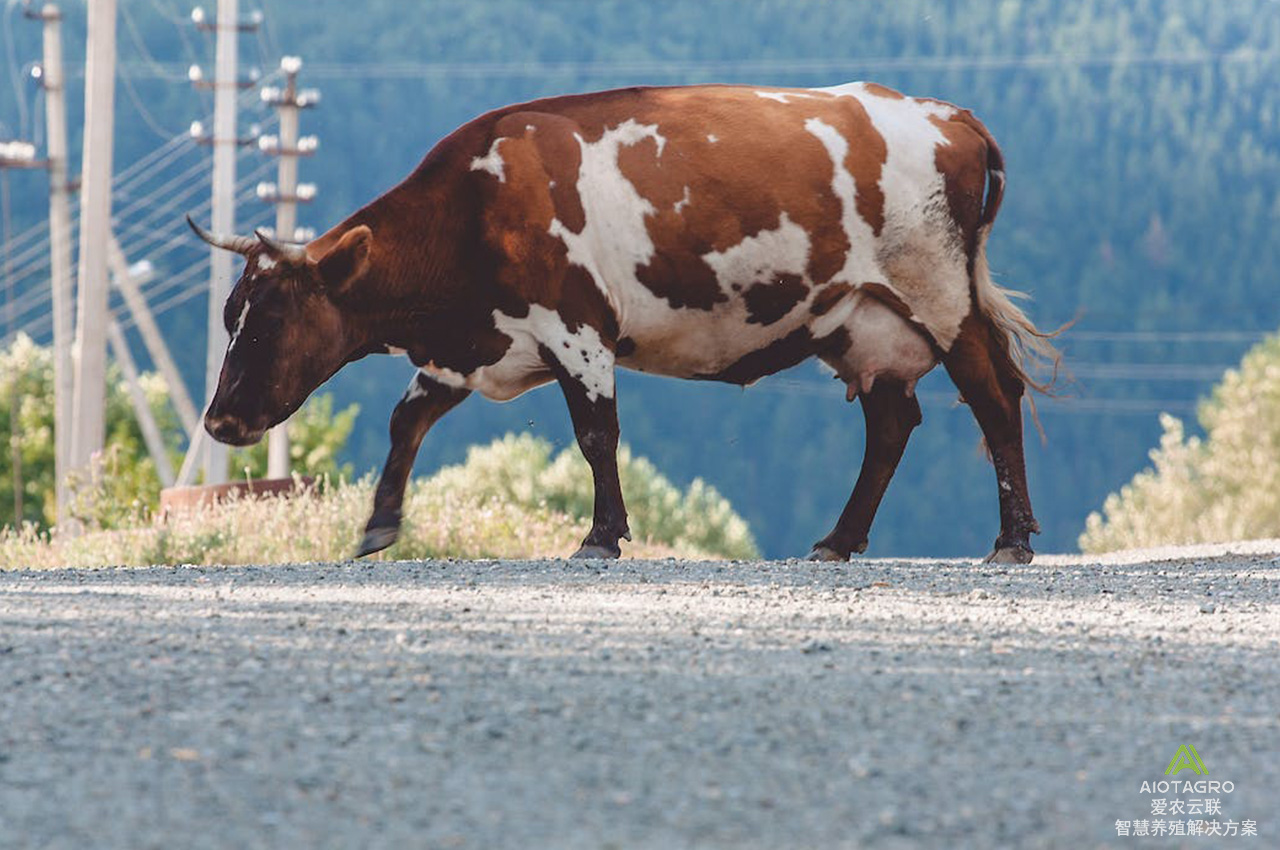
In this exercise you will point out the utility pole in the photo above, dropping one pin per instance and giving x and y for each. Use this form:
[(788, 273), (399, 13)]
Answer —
[(90, 355), (286, 192), (51, 78), (224, 212), (227, 28)]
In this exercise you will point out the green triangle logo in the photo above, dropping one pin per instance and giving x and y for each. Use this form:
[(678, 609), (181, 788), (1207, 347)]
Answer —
[(1186, 757)]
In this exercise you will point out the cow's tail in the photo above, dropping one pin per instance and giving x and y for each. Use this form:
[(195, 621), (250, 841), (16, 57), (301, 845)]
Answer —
[(1029, 349)]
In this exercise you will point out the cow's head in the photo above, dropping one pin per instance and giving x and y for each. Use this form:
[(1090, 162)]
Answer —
[(289, 328)]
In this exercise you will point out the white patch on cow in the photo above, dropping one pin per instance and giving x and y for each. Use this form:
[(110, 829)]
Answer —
[(918, 246), (235, 333), (395, 349), (682, 203), (266, 263), (712, 138), (522, 367), (444, 375), (582, 352), (784, 96), (491, 162), (529, 128), (415, 390), (763, 257), (614, 240), (859, 263)]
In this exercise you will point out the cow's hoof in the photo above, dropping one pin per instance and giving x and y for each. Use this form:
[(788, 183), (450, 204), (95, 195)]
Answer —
[(1016, 554), (377, 539), (822, 553), (592, 551)]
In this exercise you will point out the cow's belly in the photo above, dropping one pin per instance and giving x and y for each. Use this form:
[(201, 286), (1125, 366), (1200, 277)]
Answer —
[(861, 337), (698, 343)]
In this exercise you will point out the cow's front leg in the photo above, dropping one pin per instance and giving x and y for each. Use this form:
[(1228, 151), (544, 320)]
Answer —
[(423, 404), (589, 390)]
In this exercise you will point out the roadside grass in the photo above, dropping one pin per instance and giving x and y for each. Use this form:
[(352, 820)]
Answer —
[(319, 524), (511, 499)]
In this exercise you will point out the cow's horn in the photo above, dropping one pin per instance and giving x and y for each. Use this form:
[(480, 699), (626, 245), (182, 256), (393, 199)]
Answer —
[(282, 250), (238, 244)]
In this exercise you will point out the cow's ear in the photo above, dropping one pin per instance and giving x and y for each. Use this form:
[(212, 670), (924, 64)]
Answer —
[(347, 261)]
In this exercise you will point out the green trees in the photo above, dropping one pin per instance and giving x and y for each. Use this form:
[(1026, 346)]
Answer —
[(1223, 487)]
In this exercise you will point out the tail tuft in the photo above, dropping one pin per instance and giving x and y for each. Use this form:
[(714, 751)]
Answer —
[(1029, 348)]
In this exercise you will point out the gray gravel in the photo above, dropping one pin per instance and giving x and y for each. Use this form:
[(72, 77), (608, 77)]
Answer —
[(634, 704)]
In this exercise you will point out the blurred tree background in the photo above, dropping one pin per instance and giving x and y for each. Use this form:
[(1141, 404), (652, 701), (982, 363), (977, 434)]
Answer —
[(1144, 197), (1218, 488)]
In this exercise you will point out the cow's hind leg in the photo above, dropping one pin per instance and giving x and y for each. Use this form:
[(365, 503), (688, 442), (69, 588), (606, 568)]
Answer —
[(594, 412), (422, 406), (980, 365), (891, 414)]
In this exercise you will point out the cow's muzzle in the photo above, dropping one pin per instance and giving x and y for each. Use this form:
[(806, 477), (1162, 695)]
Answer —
[(232, 430)]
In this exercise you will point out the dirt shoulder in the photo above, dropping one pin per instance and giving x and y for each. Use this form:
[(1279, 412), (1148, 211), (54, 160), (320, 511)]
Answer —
[(633, 704)]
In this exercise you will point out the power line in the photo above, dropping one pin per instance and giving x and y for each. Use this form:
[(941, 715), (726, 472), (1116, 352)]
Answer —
[(140, 45), (20, 94), (246, 188), (1073, 406), (1155, 336), (40, 295), (199, 272), (156, 160), (682, 68), (1149, 371), (37, 327)]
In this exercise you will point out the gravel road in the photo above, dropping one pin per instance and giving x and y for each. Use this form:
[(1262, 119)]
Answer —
[(553, 704)]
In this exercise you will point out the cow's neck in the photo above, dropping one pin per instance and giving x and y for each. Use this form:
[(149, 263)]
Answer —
[(413, 278)]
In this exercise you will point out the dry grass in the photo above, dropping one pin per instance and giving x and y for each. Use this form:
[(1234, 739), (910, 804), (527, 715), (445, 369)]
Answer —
[(323, 524)]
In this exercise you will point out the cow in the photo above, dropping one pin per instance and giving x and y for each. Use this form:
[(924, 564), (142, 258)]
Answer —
[(705, 232)]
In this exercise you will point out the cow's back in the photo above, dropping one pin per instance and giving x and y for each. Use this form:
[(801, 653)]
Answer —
[(710, 222)]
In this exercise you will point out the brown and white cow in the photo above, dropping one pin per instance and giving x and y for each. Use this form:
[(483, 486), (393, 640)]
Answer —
[(708, 232)]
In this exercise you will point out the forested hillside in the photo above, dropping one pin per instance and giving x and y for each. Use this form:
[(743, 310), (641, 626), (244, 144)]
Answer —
[(1143, 199)]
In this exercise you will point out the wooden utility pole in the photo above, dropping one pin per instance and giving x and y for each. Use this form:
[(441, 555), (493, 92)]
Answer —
[(286, 193), (226, 85), (63, 301), (90, 356)]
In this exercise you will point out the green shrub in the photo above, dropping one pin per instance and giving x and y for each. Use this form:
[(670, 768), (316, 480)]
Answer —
[(26, 426), (1222, 487), (519, 470)]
